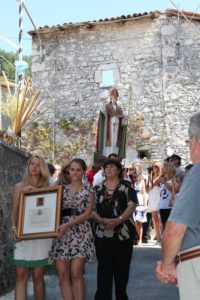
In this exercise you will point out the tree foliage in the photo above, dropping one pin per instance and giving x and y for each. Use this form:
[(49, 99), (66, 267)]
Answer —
[(38, 139), (8, 68)]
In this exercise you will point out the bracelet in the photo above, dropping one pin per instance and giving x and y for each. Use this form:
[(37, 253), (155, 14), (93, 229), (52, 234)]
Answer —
[(13, 227), (121, 219)]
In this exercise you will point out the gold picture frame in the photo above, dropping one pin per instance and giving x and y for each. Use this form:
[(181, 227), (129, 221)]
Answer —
[(39, 213)]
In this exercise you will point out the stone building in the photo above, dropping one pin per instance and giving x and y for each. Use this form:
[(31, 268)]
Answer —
[(152, 58)]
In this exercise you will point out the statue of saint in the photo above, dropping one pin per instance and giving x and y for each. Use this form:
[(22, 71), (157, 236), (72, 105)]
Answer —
[(111, 131)]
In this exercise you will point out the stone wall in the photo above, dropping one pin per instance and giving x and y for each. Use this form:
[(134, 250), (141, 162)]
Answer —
[(155, 62), (12, 162), (181, 76)]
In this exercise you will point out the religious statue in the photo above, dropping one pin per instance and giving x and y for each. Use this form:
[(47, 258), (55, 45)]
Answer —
[(111, 131)]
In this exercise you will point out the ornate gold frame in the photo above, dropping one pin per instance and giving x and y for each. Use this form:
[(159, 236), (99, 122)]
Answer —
[(57, 190)]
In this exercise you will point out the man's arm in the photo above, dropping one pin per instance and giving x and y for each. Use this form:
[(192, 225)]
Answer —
[(172, 241), (171, 245), (179, 219)]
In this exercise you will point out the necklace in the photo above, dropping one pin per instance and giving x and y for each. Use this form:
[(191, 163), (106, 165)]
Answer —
[(72, 192), (108, 193)]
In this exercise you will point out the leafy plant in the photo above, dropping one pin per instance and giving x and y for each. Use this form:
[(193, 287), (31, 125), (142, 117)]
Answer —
[(66, 123), (21, 107), (7, 60), (38, 139), (75, 146)]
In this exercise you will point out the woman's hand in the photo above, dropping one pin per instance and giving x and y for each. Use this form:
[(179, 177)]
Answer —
[(15, 235), (27, 188), (61, 230), (111, 223)]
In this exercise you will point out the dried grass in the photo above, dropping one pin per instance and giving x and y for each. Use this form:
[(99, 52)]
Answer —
[(22, 107)]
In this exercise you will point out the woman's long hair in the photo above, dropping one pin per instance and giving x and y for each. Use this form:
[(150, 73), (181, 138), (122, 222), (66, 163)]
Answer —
[(171, 170), (64, 168), (43, 180), (158, 165), (138, 175)]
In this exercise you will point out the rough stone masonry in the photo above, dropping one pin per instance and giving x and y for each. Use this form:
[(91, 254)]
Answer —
[(155, 61), (13, 162)]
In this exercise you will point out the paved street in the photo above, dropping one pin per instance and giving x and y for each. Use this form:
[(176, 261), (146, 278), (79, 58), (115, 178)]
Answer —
[(143, 284)]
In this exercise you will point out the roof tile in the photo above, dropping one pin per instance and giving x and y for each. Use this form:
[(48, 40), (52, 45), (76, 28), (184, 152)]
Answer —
[(113, 19)]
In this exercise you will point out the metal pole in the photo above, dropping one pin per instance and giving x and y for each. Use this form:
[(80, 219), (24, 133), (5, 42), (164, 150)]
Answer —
[(21, 30), (19, 79), (21, 6)]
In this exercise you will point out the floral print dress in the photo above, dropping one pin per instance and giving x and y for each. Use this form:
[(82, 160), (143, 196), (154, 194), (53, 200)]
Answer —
[(113, 208), (78, 239)]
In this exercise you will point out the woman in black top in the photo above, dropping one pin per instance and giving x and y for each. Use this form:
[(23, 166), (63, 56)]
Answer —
[(115, 203)]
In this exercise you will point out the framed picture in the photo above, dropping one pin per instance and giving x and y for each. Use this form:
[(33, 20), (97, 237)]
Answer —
[(39, 213)]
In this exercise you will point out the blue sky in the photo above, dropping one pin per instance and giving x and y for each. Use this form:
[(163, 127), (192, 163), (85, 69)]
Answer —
[(51, 12)]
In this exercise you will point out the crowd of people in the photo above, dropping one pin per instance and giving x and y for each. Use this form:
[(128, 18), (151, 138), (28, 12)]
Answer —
[(105, 210), (93, 217), (180, 252)]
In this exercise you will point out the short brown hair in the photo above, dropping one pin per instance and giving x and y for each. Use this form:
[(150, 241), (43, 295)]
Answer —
[(111, 161)]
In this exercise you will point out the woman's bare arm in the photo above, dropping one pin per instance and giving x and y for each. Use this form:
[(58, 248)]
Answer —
[(15, 203), (157, 181), (82, 217)]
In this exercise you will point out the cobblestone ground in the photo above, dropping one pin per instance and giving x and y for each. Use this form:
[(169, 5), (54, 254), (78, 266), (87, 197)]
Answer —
[(142, 285)]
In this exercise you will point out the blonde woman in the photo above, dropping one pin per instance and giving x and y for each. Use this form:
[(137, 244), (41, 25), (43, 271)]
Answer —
[(30, 254), (168, 173), (141, 210), (154, 196)]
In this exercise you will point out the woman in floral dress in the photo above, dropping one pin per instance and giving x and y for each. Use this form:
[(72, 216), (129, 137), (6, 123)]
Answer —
[(74, 244), (115, 202)]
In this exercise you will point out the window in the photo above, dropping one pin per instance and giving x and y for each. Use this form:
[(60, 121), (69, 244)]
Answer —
[(143, 154), (107, 78), (107, 75)]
